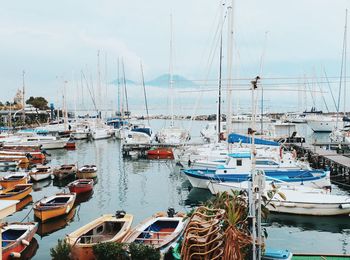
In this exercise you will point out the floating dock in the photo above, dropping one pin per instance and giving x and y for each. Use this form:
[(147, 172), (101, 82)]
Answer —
[(334, 156)]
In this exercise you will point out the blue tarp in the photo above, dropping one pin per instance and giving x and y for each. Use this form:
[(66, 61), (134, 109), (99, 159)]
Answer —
[(236, 138)]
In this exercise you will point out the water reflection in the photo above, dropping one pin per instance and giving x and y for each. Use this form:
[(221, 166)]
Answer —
[(327, 224), (83, 197), (197, 196), (39, 185), (30, 251)]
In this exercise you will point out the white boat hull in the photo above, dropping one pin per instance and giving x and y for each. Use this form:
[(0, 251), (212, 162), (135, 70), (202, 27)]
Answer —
[(299, 200), (39, 177), (321, 125)]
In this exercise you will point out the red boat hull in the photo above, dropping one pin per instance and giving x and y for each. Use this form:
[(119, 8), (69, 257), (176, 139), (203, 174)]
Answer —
[(81, 187), (160, 153)]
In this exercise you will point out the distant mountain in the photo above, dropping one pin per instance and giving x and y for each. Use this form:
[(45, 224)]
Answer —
[(163, 81), (121, 81)]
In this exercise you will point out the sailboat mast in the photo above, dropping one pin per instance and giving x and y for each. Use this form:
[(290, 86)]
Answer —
[(345, 45), (229, 66), (171, 73), (144, 91), (219, 93), (99, 85), (126, 92)]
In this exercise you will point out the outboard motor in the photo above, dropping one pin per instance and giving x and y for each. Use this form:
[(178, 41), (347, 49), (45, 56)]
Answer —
[(171, 212), (45, 153), (120, 214)]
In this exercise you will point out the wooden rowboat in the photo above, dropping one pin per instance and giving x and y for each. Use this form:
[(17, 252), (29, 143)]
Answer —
[(87, 172), (13, 179), (159, 231), (107, 228), (54, 206), (15, 238), (81, 185), (41, 172), (18, 192), (65, 171)]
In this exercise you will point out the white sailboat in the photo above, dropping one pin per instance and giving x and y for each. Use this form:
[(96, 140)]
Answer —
[(172, 134)]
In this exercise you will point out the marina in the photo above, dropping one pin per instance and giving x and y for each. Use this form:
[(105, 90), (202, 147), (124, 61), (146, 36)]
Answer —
[(211, 130)]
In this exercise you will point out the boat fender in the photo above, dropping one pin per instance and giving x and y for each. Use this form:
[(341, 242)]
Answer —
[(25, 242), (15, 255), (120, 214)]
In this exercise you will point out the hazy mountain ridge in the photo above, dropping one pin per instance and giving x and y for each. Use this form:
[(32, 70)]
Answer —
[(161, 81)]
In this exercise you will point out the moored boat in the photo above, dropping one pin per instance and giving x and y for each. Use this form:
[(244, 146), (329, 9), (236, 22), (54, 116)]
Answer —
[(160, 231), (41, 172), (13, 179), (17, 192), (65, 171), (160, 153), (107, 228), (16, 237), (87, 172), (81, 185), (54, 206), (299, 200)]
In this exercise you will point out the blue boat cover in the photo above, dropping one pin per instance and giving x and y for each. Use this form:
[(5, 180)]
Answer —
[(236, 138), (280, 254)]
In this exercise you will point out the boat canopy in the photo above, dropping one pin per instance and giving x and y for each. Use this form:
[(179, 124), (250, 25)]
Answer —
[(236, 138)]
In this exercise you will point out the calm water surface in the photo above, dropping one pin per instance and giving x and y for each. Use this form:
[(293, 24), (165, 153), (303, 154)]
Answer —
[(143, 187)]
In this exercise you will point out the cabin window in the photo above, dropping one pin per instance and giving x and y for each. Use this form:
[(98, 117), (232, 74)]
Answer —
[(239, 162), (99, 229)]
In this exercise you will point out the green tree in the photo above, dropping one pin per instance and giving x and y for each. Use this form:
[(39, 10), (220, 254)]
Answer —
[(38, 102)]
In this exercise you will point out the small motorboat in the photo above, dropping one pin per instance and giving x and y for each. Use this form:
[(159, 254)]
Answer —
[(41, 172), (65, 171), (107, 228), (87, 172), (160, 153), (17, 192), (160, 231), (16, 237), (81, 185), (54, 206), (13, 179)]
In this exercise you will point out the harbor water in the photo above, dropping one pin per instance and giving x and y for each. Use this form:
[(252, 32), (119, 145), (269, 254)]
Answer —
[(143, 187)]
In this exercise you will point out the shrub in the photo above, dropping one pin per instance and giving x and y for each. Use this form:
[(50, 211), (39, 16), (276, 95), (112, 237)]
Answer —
[(143, 252), (110, 250), (61, 251)]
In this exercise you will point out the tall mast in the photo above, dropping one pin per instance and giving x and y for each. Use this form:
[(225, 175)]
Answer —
[(253, 198), (171, 73), (23, 99), (345, 45), (99, 85), (229, 66), (126, 92), (144, 91), (219, 93)]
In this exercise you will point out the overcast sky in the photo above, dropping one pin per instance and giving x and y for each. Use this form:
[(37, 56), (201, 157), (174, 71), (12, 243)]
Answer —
[(54, 40)]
